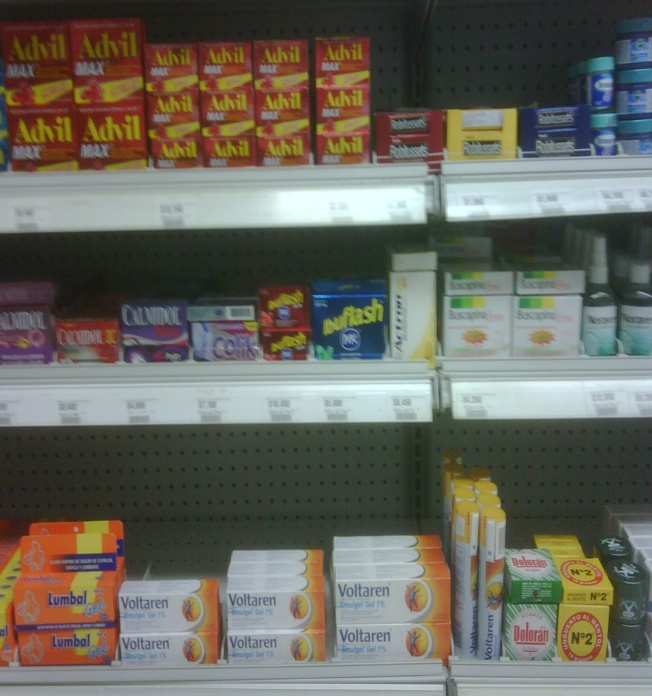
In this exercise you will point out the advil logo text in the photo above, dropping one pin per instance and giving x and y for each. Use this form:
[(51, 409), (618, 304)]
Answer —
[(106, 47), (278, 55), (284, 148), (109, 130), (226, 56), (343, 146), (354, 52), (180, 56), (175, 105), (238, 148), (179, 150), (40, 132), (34, 50)]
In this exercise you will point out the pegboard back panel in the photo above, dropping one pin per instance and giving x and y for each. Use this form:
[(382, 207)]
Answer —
[(514, 53), (214, 474), (548, 469)]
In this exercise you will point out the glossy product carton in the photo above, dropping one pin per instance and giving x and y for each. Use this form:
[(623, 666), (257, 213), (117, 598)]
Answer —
[(228, 113), (476, 326), (282, 112), (404, 541), (163, 650), (225, 66), (68, 553), (276, 647), (284, 306), (170, 68), (87, 340), (280, 64), (553, 132), (343, 148), (582, 632), (584, 581), (216, 341), (26, 293), (410, 136), (285, 344), (154, 331), (343, 110), (309, 556), (275, 568), (529, 631), (177, 153), (342, 61), (173, 116), (26, 335), (114, 527), (82, 646), (481, 134), (531, 577), (283, 151), (226, 152), (386, 556)]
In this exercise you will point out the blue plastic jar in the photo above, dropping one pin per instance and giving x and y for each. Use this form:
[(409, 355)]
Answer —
[(634, 94), (634, 43), (599, 82), (635, 137), (603, 134)]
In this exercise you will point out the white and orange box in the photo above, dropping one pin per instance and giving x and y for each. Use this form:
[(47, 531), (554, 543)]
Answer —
[(389, 541), (276, 647), (170, 649), (81, 646)]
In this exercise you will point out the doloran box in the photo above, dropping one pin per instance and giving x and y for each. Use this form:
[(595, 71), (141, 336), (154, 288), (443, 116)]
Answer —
[(546, 326), (169, 606), (342, 61), (481, 134), (582, 632), (529, 631), (386, 556), (276, 647), (584, 581), (280, 64), (170, 68), (261, 603), (163, 650), (404, 541), (531, 577), (476, 326), (393, 642), (225, 66), (412, 320), (364, 596), (86, 646)]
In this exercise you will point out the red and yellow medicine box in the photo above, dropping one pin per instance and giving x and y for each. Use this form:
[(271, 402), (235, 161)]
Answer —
[(410, 136), (283, 151), (93, 340), (584, 581), (280, 64), (228, 113), (107, 60), (8, 640), (37, 63), (43, 139), (68, 553), (341, 61), (173, 115), (114, 527), (343, 148), (284, 306), (285, 344), (177, 153), (226, 152), (224, 66), (343, 109), (83, 646), (282, 112), (170, 68), (582, 632), (112, 136)]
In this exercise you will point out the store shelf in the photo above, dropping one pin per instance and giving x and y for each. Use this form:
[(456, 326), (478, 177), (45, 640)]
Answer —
[(581, 687), (513, 189), (211, 199), (583, 387), (191, 393)]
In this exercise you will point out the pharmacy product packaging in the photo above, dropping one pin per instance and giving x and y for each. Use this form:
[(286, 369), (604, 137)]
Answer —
[(8, 639), (342, 61), (224, 152), (406, 257), (283, 150), (531, 576), (561, 131), (410, 136), (276, 647), (170, 68), (406, 541), (342, 557), (229, 113), (343, 148), (217, 341), (114, 527), (584, 581), (463, 280), (285, 306), (529, 632), (223, 309), (466, 519), (26, 336), (175, 650), (27, 293), (224, 65), (476, 326), (154, 323), (280, 64), (550, 282), (582, 632), (81, 646), (481, 134), (285, 344), (280, 569), (491, 563), (546, 326), (278, 556), (87, 340), (173, 116)]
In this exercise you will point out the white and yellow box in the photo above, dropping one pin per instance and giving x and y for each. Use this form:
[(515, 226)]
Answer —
[(392, 642), (275, 647), (169, 606), (277, 603), (406, 257), (386, 556), (272, 569), (388, 541), (407, 593), (308, 556), (481, 134), (169, 649), (412, 317), (477, 326), (546, 326), (460, 280)]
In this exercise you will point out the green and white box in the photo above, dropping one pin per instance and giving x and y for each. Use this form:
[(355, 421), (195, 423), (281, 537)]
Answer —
[(529, 631), (559, 282), (477, 326), (546, 326), (459, 282), (531, 576)]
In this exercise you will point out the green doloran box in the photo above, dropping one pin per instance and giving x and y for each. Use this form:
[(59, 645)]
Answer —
[(531, 577)]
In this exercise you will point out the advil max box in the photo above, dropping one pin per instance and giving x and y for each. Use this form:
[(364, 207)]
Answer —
[(349, 319)]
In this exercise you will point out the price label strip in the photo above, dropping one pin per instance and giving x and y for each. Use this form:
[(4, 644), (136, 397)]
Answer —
[(8, 414), (643, 403), (31, 217), (72, 412), (551, 203), (141, 411), (406, 409), (479, 205), (615, 200), (340, 212), (606, 403), (337, 409), (282, 409), (210, 410), (399, 211), (645, 196), (177, 214)]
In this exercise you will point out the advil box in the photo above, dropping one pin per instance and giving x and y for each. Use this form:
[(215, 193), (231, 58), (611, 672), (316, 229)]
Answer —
[(170, 68), (283, 151), (42, 139), (37, 63), (341, 61), (280, 64), (343, 148), (229, 151), (282, 112), (112, 136), (85, 646), (173, 115), (107, 60), (410, 136), (177, 153), (343, 109), (224, 65), (229, 113)]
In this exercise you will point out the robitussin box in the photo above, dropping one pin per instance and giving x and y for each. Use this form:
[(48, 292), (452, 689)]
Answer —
[(410, 136), (561, 131), (170, 68)]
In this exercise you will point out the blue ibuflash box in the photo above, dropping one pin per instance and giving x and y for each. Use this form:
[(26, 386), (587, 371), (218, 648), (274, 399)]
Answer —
[(562, 131), (349, 319)]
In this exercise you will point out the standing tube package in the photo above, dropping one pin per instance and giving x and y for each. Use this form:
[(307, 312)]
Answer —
[(493, 522), (465, 604)]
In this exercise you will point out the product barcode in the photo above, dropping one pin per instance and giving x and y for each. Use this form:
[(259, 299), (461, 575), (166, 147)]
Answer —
[(5, 420), (281, 417), (406, 415), (138, 420), (241, 313), (211, 418), (606, 409), (337, 417), (173, 221), (476, 413), (645, 411), (70, 420)]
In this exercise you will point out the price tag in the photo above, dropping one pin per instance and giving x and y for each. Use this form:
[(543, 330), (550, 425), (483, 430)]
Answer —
[(175, 213), (551, 202), (615, 200), (340, 211), (7, 413), (71, 412), (645, 196), (404, 408), (399, 211), (643, 403), (141, 411), (209, 410), (281, 409), (605, 404), (336, 409), (474, 405), (478, 205), (31, 217)]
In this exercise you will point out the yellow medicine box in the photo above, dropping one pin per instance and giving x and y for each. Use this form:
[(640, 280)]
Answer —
[(546, 541), (584, 581), (582, 632), (481, 134)]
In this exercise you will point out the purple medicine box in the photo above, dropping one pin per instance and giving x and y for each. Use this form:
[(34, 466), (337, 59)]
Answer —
[(26, 293), (154, 331), (25, 335)]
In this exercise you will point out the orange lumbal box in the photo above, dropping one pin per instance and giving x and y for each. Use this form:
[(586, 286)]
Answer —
[(107, 60), (7, 630), (229, 113), (68, 553), (280, 64), (37, 63), (224, 66), (229, 151), (398, 541), (170, 649), (82, 646), (87, 527), (173, 115), (169, 606), (170, 68), (341, 61)]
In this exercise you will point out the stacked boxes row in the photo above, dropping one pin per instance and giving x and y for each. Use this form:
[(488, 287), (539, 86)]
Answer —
[(9, 573), (4, 143), (66, 599), (276, 607), (392, 599), (170, 623)]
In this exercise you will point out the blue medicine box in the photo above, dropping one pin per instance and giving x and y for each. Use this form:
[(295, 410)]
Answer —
[(555, 132), (349, 319)]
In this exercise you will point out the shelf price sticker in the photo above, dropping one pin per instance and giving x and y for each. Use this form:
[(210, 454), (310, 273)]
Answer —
[(406, 408), (141, 411), (606, 403), (475, 405), (478, 205), (175, 214), (282, 409), (399, 210), (8, 413), (31, 217), (645, 196), (72, 412), (642, 403), (552, 202), (615, 200), (340, 212), (337, 409), (210, 410)]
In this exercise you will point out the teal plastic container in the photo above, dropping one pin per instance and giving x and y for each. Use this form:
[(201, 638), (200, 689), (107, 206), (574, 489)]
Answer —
[(599, 83), (635, 137), (634, 43), (634, 94), (603, 134)]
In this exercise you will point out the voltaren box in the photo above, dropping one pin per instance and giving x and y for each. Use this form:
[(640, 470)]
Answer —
[(169, 650), (276, 569), (276, 647), (278, 556), (386, 556), (481, 134), (398, 541), (170, 68)]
